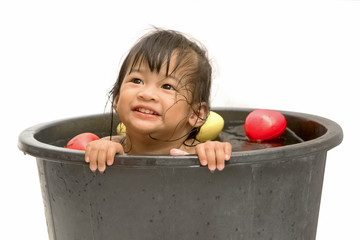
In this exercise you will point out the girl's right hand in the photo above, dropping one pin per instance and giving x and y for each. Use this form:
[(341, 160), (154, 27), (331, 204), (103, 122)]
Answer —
[(210, 153), (101, 152)]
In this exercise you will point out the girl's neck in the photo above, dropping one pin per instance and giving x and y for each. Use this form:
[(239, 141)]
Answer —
[(145, 145)]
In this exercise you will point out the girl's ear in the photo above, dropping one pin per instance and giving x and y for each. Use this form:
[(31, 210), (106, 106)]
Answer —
[(199, 115)]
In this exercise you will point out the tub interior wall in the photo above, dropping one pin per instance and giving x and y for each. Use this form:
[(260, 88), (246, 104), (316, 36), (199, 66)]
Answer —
[(59, 134), (304, 128)]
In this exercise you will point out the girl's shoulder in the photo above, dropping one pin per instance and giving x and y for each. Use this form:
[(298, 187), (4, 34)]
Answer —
[(189, 146)]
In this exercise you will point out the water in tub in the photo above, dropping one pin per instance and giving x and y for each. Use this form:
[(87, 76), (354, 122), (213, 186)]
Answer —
[(234, 133)]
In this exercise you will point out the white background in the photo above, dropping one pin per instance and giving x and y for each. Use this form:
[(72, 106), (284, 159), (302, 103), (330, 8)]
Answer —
[(58, 59)]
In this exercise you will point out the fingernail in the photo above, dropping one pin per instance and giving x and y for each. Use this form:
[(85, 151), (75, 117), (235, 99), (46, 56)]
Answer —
[(87, 159), (227, 157)]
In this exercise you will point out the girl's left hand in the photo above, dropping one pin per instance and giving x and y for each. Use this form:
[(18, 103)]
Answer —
[(210, 153)]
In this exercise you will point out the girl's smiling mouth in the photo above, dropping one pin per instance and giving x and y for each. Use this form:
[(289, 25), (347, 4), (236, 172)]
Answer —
[(146, 111)]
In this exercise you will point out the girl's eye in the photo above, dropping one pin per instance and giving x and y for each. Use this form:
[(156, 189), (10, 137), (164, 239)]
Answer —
[(167, 87), (137, 81)]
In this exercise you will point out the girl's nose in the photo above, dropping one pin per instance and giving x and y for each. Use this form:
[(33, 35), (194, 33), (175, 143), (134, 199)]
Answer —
[(148, 93)]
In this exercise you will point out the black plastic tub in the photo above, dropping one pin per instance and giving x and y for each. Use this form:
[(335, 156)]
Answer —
[(271, 193)]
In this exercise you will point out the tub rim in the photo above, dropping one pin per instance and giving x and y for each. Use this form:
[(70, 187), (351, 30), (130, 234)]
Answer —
[(331, 138)]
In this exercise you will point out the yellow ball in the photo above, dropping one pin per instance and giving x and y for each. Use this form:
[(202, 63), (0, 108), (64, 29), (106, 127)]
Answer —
[(121, 129), (211, 128)]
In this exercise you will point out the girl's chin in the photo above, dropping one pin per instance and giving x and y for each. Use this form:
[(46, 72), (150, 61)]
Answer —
[(141, 129), (151, 134)]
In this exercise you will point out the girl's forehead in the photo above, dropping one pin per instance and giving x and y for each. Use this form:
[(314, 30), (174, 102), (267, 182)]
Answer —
[(173, 67)]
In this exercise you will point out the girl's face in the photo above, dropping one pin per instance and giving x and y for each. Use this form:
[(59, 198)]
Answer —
[(153, 104)]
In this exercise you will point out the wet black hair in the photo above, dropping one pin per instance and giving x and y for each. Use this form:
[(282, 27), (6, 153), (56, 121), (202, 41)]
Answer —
[(156, 49)]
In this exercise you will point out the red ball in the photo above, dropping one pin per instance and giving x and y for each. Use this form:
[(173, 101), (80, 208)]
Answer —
[(80, 141), (264, 124)]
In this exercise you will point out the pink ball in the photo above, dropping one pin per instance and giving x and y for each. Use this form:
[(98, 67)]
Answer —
[(264, 124), (80, 141)]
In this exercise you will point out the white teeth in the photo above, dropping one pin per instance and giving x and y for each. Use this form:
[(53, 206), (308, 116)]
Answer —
[(143, 110)]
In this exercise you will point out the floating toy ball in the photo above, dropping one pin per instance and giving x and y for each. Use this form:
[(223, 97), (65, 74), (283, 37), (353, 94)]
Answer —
[(121, 129), (80, 141), (211, 128), (208, 131), (264, 124)]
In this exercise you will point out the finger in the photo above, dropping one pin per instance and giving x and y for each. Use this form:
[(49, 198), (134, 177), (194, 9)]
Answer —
[(87, 153), (210, 157), (93, 155), (220, 158), (120, 149), (227, 151), (110, 156), (200, 151), (101, 161), (117, 148), (176, 151)]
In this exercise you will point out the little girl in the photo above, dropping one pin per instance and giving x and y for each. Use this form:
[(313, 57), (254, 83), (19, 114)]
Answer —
[(162, 97)]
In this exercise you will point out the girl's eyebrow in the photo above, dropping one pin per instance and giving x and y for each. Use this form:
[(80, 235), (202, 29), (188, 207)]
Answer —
[(172, 77)]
